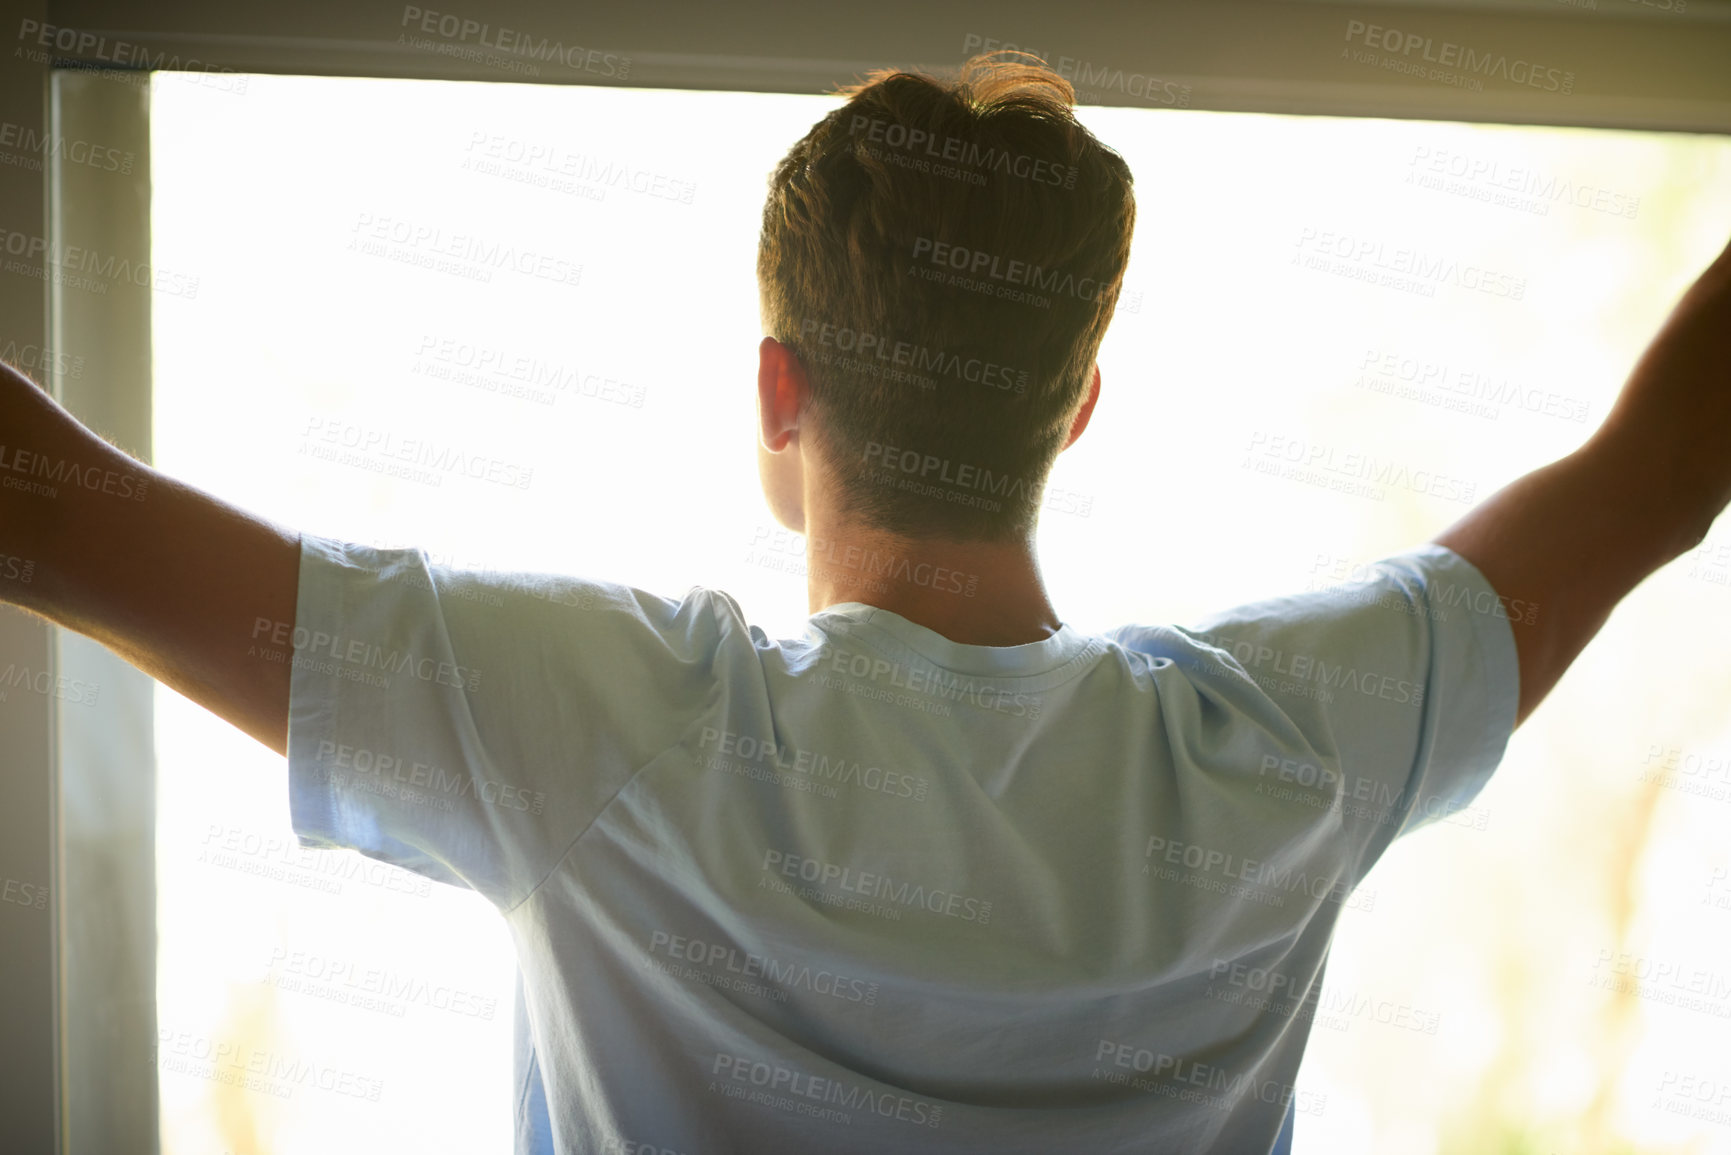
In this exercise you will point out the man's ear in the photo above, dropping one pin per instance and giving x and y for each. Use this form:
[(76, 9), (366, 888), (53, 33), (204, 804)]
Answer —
[(781, 393), (1085, 412)]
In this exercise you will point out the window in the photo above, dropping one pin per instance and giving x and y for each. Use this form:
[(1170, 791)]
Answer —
[(1337, 336)]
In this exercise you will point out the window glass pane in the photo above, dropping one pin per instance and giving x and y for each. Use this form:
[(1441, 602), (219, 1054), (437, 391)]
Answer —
[(1337, 335)]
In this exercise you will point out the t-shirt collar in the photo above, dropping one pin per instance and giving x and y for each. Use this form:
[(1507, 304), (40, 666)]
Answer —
[(1064, 646)]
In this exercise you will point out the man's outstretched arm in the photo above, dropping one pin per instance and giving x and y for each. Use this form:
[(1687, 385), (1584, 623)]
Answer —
[(1576, 536), (174, 581)]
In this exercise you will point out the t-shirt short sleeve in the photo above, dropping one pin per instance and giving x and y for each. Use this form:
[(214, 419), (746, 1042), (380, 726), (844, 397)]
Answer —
[(467, 725), (1389, 700)]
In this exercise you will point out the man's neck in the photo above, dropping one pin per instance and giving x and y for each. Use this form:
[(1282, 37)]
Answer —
[(973, 593)]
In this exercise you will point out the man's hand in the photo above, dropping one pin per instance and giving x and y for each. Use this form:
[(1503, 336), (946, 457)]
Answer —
[(168, 577), (1576, 536)]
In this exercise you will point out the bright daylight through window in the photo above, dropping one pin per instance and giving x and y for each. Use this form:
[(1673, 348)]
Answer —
[(1336, 336)]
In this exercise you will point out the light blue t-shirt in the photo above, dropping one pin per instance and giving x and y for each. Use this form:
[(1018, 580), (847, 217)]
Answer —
[(872, 890)]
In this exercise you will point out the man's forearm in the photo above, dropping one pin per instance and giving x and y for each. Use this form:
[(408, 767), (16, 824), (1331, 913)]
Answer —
[(1574, 537), (49, 464), (172, 579), (1672, 420)]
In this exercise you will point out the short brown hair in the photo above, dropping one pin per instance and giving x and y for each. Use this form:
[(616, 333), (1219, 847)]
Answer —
[(941, 392)]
